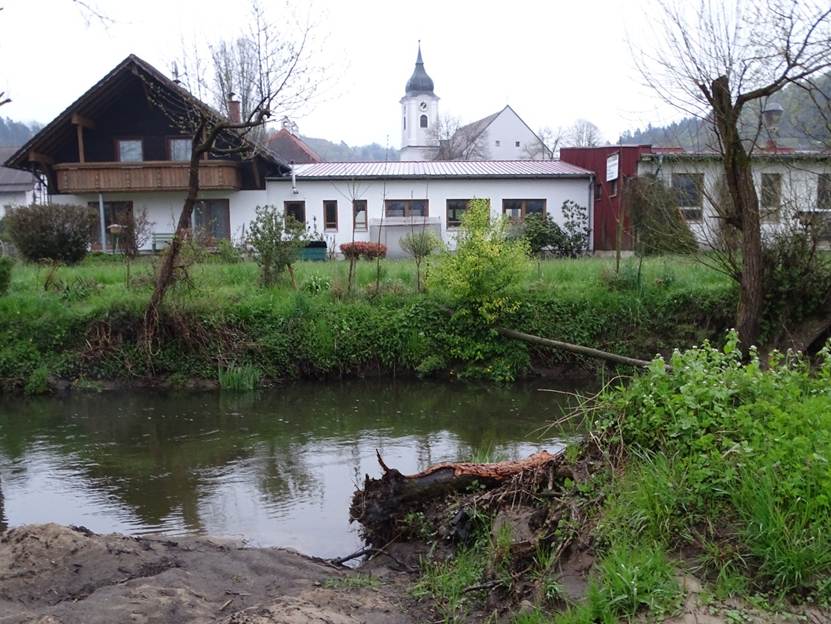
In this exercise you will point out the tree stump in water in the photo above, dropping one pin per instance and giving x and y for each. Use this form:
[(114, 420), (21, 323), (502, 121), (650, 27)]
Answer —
[(382, 502)]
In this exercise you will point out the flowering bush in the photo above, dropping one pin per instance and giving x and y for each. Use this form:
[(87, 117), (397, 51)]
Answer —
[(370, 251)]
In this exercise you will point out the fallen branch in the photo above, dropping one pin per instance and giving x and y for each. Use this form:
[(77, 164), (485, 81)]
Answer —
[(573, 348), (383, 500)]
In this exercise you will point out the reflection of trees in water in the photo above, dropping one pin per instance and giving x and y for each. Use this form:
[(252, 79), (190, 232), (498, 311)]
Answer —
[(160, 454), (3, 520)]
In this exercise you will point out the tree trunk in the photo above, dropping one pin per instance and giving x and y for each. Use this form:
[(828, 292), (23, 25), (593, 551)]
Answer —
[(165, 276), (739, 178)]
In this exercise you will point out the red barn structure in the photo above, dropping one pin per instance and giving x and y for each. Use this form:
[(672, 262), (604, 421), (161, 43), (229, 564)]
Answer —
[(613, 166)]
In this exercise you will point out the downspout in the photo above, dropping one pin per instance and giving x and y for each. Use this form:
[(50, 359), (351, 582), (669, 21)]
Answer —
[(294, 190), (590, 211), (103, 228)]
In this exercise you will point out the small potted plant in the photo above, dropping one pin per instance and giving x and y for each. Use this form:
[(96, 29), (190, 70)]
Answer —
[(316, 247)]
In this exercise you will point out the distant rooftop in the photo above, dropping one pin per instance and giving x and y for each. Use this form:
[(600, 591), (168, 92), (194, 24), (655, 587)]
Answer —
[(441, 169)]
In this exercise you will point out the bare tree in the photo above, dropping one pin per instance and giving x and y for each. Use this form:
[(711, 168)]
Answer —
[(582, 133), (715, 61), (285, 78), (547, 146), (459, 142)]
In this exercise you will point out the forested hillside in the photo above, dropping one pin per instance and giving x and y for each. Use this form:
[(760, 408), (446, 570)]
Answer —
[(806, 122), (15, 132)]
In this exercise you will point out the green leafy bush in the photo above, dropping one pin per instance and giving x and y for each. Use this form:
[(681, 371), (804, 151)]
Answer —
[(731, 457), (58, 232), (277, 241), (6, 265)]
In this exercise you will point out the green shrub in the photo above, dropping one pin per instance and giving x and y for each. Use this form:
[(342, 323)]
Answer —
[(38, 381), (6, 265), (52, 232), (731, 457), (277, 241)]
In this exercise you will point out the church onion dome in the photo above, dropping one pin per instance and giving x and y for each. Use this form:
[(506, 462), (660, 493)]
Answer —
[(419, 82)]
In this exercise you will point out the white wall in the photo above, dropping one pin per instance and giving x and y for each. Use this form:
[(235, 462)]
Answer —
[(15, 198), (508, 128), (437, 191), (163, 208), (799, 187)]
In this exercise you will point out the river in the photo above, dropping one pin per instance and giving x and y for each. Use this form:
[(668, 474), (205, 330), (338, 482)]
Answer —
[(275, 468)]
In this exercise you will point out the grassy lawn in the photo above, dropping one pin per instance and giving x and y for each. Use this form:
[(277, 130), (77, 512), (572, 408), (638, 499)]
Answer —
[(585, 278)]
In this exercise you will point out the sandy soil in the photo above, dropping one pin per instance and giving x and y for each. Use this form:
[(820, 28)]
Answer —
[(50, 574)]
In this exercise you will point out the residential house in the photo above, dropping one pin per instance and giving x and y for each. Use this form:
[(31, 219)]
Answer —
[(791, 184), (17, 188), (119, 149), (122, 149)]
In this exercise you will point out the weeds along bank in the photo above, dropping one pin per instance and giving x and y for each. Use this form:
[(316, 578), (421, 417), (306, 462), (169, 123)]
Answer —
[(703, 493), (84, 322)]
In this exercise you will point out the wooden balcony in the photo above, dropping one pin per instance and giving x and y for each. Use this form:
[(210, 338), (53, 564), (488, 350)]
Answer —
[(95, 177)]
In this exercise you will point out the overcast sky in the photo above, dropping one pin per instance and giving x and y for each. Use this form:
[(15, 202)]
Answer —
[(552, 61)]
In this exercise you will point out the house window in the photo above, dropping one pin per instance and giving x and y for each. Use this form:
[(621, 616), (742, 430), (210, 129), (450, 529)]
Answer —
[(359, 211), (296, 210), (824, 191), (405, 208), (771, 195), (517, 209), (516, 143), (422, 121), (689, 193), (129, 150), (498, 143), (598, 191), (330, 215), (179, 149), (456, 210), (118, 218), (612, 187), (212, 218)]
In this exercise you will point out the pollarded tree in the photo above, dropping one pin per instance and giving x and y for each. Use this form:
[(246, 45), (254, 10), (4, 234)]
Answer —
[(717, 61)]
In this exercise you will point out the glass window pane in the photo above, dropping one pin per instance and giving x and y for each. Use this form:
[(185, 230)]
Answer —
[(130, 151), (359, 206), (212, 218), (688, 189), (418, 208), (296, 210), (395, 208), (455, 210), (534, 206), (824, 191), (179, 149), (330, 215)]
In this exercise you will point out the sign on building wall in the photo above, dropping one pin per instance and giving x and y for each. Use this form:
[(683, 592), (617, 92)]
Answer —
[(612, 167)]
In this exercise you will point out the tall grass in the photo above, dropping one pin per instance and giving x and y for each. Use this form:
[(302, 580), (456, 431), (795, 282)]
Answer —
[(239, 378)]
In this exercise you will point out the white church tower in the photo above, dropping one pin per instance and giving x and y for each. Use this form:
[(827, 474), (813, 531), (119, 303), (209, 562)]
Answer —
[(419, 115)]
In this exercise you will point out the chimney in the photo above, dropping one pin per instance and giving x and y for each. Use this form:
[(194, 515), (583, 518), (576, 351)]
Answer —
[(234, 108)]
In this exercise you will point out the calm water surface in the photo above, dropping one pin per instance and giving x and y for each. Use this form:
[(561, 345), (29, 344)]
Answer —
[(276, 468)]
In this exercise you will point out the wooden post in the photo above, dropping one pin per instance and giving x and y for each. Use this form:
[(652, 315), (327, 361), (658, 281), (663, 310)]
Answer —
[(80, 131)]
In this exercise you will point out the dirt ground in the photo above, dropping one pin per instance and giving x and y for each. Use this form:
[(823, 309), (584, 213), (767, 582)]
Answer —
[(50, 574)]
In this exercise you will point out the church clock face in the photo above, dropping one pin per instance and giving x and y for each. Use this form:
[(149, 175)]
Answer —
[(422, 106)]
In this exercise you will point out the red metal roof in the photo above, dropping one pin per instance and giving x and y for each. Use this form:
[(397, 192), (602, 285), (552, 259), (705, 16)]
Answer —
[(442, 169)]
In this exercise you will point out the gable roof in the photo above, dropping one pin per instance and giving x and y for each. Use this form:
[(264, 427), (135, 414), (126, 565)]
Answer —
[(291, 149), (104, 93), (472, 131), (14, 180), (441, 169)]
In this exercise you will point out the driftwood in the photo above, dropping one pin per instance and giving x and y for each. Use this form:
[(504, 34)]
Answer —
[(381, 501), (573, 348)]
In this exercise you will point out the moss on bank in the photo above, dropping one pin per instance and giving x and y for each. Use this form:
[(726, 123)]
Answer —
[(84, 322)]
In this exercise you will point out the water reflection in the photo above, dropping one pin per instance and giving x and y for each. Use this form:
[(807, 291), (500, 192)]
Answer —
[(277, 468)]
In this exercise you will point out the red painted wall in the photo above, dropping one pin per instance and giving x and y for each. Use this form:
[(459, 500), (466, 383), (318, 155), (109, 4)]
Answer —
[(608, 204)]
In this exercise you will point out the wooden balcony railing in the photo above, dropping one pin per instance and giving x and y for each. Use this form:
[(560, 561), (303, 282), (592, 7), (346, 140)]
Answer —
[(94, 177)]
